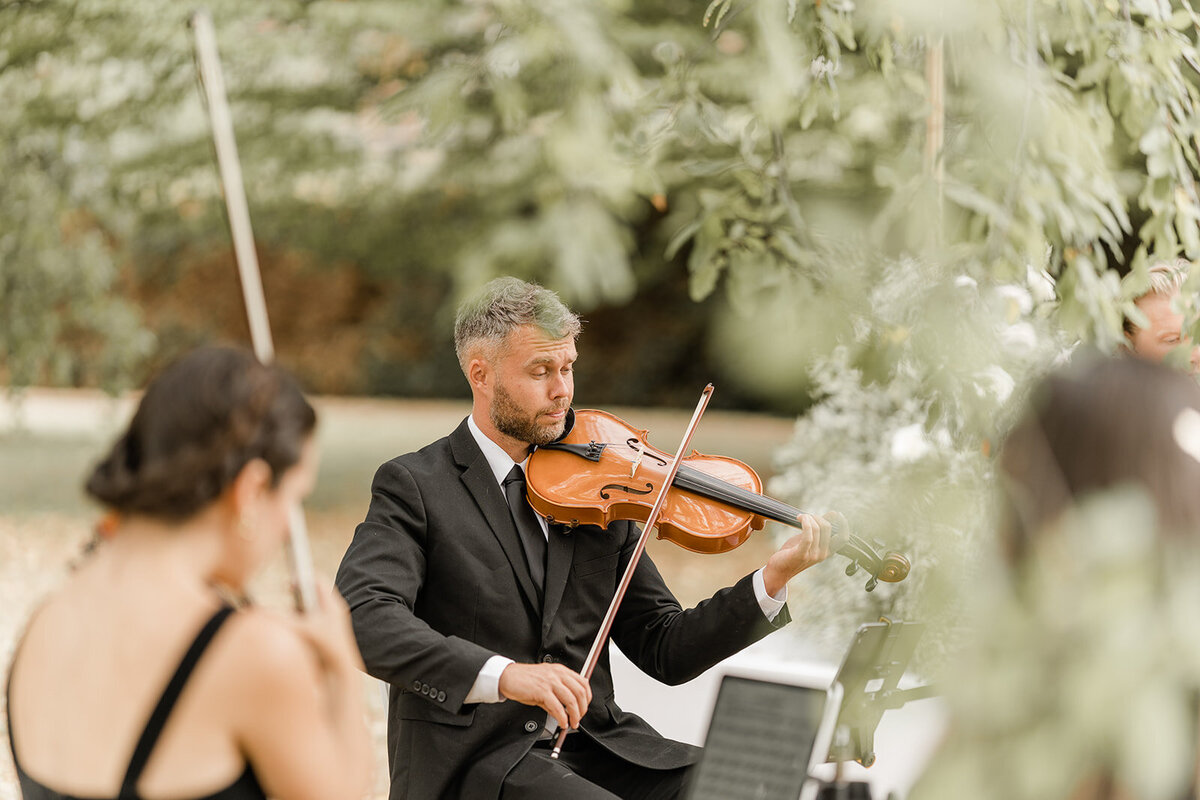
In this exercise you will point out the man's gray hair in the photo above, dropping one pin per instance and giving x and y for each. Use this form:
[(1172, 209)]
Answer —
[(1166, 278), (503, 305)]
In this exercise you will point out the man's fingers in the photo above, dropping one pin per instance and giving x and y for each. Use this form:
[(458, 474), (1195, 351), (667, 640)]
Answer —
[(812, 537), (580, 694), (555, 709), (570, 703), (569, 695), (841, 529), (826, 533)]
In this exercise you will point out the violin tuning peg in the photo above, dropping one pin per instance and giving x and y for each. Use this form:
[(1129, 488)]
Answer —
[(852, 568), (871, 584)]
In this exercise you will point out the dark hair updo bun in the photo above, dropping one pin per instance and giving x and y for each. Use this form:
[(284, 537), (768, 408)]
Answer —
[(200, 421)]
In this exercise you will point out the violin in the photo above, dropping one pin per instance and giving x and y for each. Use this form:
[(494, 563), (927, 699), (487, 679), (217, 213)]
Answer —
[(605, 470)]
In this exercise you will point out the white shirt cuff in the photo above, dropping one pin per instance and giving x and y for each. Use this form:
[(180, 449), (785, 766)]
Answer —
[(486, 688), (771, 606)]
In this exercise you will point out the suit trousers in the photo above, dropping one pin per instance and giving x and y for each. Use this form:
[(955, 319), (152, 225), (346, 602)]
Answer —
[(586, 771)]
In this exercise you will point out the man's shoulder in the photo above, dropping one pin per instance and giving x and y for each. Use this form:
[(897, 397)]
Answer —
[(435, 456)]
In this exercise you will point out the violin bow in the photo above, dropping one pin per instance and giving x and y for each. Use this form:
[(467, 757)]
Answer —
[(606, 626), (212, 84)]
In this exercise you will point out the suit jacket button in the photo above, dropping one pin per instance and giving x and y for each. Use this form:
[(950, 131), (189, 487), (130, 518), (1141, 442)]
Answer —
[(416, 686), (424, 688), (441, 698), (531, 726), (549, 659)]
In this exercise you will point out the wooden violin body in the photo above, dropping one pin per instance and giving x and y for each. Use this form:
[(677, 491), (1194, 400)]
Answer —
[(566, 485), (605, 470)]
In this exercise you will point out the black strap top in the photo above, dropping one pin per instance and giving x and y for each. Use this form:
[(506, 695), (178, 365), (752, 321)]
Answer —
[(246, 787)]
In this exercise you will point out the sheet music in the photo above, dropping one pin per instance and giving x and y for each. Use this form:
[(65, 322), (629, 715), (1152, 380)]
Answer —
[(759, 741)]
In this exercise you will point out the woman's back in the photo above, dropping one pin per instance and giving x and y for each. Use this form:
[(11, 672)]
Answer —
[(93, 664)]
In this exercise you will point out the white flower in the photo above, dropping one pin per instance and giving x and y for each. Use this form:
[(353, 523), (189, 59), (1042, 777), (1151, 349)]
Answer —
[(999, 382), (1017, 300), (824, 69), (1040, 284), (1020, 336), (909, 443)]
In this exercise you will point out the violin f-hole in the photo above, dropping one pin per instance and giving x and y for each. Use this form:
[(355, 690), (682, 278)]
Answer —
[(617, 487)]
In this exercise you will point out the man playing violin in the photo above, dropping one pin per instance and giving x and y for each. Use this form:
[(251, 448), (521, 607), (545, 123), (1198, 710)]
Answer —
[(480, 615)]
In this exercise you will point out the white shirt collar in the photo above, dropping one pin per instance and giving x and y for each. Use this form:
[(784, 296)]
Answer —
[(500, 461)]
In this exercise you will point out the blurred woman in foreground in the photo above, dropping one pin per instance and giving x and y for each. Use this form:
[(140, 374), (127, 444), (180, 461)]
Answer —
[(136, 679), (1082, 680)]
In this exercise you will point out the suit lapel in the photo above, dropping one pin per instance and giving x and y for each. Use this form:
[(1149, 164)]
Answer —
[(481, 483), (558, 570)]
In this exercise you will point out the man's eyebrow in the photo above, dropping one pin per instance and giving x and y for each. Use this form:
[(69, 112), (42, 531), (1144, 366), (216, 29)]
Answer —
[(539, 360)]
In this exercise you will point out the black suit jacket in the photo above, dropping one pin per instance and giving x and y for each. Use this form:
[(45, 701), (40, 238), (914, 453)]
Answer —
[(437, 583)]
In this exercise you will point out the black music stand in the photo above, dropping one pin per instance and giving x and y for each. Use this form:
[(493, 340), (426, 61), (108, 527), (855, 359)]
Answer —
[(869, 675)]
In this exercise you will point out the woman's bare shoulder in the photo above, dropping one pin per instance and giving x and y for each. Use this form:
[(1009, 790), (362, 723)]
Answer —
[(266, 646)]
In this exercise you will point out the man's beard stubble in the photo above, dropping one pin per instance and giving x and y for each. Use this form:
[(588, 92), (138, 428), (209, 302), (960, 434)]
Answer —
[(509, 419)]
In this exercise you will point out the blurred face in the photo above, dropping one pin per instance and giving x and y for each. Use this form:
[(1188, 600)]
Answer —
[(1163, 333), (295, 485), (262, 521), (533, 386)]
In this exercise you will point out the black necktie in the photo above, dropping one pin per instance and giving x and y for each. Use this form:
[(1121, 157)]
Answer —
[(533, 541)]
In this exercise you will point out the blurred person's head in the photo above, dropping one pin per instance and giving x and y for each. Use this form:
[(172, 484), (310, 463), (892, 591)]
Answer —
[(221, 438), (1163, 331), (1104, 424)]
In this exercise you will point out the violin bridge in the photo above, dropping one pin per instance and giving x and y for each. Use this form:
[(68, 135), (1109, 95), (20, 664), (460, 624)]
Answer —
[(637, 462)]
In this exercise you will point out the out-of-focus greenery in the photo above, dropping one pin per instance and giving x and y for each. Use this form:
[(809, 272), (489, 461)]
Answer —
[(924, 205), (108, 163), (896, 212), (412, 150), (1082, 668)]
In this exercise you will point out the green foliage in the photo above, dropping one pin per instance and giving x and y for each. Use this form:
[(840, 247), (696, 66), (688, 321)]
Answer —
[(108, 165), (576, 143), (897, 212), (1084, 670), (57, 282), (1059, 119), (950, 194), (910, 408), (428, 146)]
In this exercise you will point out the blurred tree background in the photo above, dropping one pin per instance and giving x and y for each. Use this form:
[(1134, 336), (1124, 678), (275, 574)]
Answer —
[(884, 218)]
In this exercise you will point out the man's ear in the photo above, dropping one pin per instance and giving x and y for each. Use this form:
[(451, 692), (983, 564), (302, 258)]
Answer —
[(479, 374)]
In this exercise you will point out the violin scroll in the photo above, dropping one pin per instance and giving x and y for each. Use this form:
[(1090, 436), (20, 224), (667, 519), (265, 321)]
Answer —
[(895, 567), (891, 568)]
